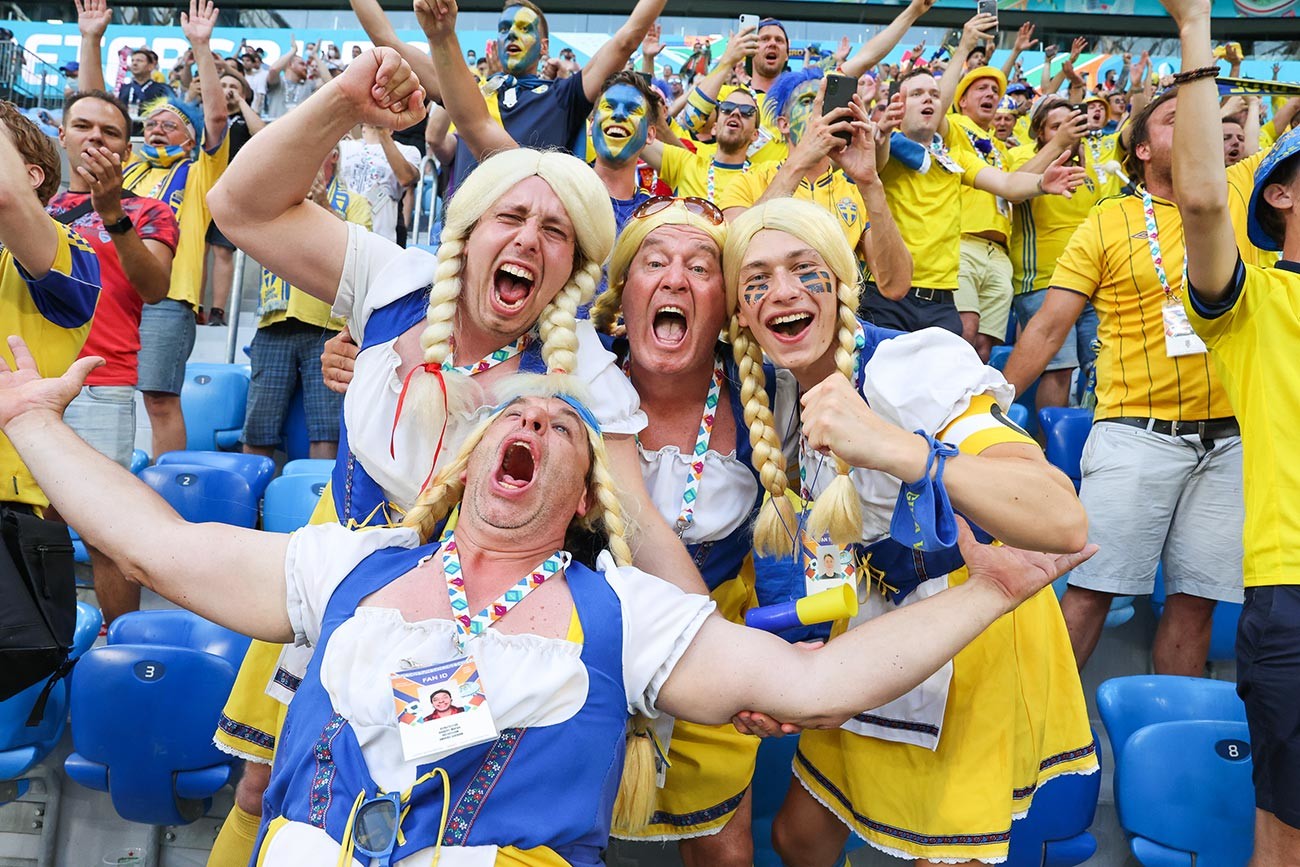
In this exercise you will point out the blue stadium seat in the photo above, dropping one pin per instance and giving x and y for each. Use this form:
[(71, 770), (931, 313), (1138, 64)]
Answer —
[(214, 398), (139, 460), (1223, 629), (257, 470), (1066, 430), (998, 360), (22, 747), (308, 466), (290, 500), (1185, 796), (177, 628), (1019, 414), (143, 715), (771, 779), (1127, 704), (202, 493), (1055, 833)]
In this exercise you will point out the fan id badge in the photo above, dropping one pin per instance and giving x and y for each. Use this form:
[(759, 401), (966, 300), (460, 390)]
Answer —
[(1180, 337), (826, 566), (441, 708)]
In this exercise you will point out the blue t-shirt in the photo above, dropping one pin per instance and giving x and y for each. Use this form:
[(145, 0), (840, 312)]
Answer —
[(549, 116), (133, 91)]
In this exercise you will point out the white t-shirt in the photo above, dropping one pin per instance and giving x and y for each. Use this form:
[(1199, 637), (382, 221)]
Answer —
[(366, 170)]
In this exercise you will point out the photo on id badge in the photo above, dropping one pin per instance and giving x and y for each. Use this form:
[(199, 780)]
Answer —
[(441, 708), (830, 567)]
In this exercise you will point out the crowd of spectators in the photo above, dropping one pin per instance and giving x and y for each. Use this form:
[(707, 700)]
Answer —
[(1039, 209)]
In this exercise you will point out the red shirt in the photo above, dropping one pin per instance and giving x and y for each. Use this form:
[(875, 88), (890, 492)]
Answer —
[(115, 330)]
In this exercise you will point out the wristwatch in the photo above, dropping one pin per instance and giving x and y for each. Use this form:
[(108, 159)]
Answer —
[(121, 227)]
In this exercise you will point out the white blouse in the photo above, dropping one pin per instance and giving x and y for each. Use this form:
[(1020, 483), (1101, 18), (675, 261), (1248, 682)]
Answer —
[(530, 680), (726, 495), (376, 273)]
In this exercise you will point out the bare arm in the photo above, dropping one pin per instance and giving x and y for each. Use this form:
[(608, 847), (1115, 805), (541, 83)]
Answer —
[(381, 32), (252, 119), (1200, 180), (239, 584), (1251, 127), (460, 94), (437, 134), (259, 201), (882, 245), (146, 263), (1065, 139), (1056, 179), (878, 46), (1043, 337), (655, 547), (1024, 41), (729, 668), (976, 29), (25, 229), (197, 26), (614, 54), (93, 17), (406, 173)]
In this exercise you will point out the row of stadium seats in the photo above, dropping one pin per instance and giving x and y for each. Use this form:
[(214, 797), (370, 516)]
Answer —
[(214, 399)]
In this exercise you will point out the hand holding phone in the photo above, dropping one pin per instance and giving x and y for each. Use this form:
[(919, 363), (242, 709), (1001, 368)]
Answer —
[(987, 7), (839, 92)]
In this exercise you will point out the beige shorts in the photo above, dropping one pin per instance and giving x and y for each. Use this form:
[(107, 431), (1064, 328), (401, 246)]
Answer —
[(984, 285)]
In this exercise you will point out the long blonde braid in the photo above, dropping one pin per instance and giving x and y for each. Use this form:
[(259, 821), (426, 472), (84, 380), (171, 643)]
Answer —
[(774, 527), (559, 321), (838, 511)]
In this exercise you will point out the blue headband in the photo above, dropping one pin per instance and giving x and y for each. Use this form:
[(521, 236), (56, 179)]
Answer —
[(588, 418)]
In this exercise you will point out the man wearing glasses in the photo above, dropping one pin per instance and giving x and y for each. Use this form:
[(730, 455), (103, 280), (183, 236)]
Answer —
[(166, 168), (707, 174)]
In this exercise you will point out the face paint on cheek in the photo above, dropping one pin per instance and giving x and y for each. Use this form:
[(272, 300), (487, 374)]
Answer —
[(817, 282), (755, 293), (519, 29), (801, 108), (622, 109)]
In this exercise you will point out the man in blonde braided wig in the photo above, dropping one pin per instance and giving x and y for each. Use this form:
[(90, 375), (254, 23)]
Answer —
[(558, 658), (892, 423)]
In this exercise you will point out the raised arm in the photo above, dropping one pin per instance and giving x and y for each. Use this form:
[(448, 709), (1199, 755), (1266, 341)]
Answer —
[(239, 583), (977, 29), (381, 32), (729, 668), (1024, 41), (461, 97), (438, 136), (197, 26), (1058, 179), (93, 17), (702, 99), (614, 54), (877, 47), (25, 229), (1200, 180), (147, 263), (1069, 135), (260, 200)]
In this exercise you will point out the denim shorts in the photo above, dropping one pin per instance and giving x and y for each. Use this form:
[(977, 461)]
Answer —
[(104, 416), (282, 356), (166, 341)]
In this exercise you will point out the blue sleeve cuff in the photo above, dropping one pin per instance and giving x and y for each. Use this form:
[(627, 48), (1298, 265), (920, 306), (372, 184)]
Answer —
[(1206, 310)]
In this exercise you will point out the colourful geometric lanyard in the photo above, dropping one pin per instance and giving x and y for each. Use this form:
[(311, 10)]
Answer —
[(712, 189), (805, 487), (1094, 146), (696, 471), (505, 353), (996, 162), (1153, 243), (467, 626)]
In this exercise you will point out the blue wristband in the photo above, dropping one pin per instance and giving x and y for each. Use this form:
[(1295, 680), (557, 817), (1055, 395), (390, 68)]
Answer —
[(923, 517)]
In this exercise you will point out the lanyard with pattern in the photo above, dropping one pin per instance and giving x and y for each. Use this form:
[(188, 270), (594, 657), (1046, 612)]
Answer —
[(712, 187), (805, 487), (696, 471), (505, 353), (992, 149), (469, 626), (1157, 258)]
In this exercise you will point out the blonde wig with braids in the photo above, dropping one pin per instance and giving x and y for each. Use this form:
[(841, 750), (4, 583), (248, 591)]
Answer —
[(585, 200), (608, 307), (838, 511)]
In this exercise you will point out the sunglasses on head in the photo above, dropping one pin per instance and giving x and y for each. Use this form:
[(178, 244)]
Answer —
[(700, 207), (740, 108)]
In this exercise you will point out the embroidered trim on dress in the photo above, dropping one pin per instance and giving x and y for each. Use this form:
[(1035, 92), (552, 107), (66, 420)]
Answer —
[(699, 817), (901, 724), (245, 732), (322, 781), (287, 680), (471, 801)]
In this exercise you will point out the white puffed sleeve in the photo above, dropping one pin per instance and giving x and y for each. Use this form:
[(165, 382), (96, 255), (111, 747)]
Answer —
[(659, 623), (614, 401), (319, 557), (924, 380), (377, 272)]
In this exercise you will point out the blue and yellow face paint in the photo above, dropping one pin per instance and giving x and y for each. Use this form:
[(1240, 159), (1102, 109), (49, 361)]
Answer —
[(621, 125), (519, 28), (801, 105)]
